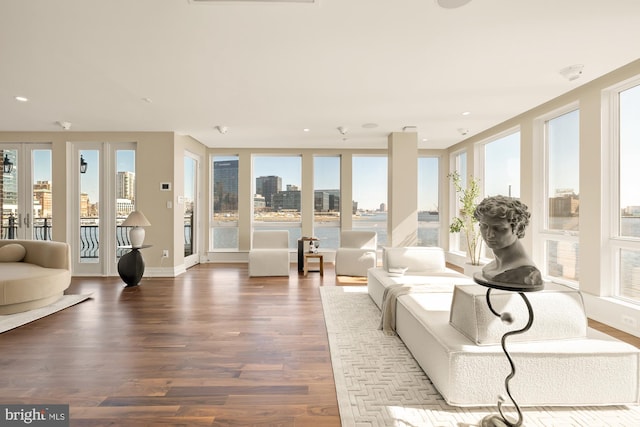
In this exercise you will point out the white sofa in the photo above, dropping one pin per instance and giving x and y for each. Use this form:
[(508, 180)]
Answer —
[(269, 254), (560, 361), (357, 252), (422, 267)]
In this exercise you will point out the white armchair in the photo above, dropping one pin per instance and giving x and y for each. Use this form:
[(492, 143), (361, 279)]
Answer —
[(269, 255), (357, 253)]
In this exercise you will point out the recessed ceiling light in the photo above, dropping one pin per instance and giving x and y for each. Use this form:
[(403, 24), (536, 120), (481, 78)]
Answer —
[(306, 130), (425, 139), (370, 125), (147, 100), (451, 4), (466, 113), (21, 98)]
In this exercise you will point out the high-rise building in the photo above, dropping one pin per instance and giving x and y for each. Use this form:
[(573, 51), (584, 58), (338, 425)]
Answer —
[(268, 186), (126, 185), (42, 196), (225, 185)]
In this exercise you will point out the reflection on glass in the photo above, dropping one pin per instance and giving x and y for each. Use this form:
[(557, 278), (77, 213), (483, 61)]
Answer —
[(326, 200), (89, 203), (369, 204), (428, 211), (225, 202), (562, 259), (629, 274)]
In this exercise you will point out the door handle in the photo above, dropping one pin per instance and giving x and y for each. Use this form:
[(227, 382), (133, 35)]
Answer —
[(27, 221)]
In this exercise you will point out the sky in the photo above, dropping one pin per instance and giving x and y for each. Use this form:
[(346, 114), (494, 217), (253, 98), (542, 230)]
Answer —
[(89, 182)]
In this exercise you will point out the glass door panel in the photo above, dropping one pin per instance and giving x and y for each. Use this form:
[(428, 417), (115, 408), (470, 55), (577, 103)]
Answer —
[(89, 206), (42, 209), (11, 218), (125, 193), (25, 192)]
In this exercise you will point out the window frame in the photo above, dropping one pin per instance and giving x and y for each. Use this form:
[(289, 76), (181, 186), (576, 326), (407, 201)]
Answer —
[(540, 229), (615, 243)]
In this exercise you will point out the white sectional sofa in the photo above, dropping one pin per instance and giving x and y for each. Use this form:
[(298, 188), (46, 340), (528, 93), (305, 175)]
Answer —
[(447, 326)]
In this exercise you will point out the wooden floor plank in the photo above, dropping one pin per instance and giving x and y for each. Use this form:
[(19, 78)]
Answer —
[(211, 347)]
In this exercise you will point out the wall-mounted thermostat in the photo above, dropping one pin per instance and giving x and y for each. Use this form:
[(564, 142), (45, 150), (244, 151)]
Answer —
[(165, 186)]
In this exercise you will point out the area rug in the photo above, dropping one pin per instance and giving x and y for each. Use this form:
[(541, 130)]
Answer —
[(351, 281), (12, 321), (379, 384)]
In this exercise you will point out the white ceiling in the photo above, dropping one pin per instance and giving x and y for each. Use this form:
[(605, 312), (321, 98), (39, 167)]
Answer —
[(267, 70)]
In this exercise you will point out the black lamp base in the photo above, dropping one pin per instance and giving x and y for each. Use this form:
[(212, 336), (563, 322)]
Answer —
[(494, 421)]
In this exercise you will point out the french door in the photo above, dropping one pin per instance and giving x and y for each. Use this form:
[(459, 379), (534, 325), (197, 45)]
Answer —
[(25, 191), (190, 206), (103, 196)]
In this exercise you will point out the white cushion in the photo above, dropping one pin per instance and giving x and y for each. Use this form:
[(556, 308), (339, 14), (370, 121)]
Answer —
[(414, 259), (558, 313), (360, 239), (270, 239), (12, 252)]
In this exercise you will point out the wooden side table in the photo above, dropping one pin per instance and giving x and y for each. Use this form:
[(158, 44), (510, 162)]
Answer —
[(320, 258)]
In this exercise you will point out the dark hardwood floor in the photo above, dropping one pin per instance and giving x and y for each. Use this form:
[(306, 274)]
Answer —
[(212, 347)]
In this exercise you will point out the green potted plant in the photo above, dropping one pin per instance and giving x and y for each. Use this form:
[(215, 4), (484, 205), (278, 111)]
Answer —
[(465, 222)]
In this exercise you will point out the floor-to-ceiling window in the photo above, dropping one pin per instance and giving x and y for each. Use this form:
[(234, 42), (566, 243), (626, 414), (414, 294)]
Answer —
[(370, 195), (277, 191), (501, 165), (224, 204), (326, 200), (560, 210), (625, 235), (428, 202), (500, 169)]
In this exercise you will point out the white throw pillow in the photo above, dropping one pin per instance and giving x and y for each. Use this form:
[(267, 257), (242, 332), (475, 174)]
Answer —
[(12, 252)]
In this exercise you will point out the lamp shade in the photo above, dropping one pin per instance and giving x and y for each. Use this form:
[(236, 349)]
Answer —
[(136, 219)]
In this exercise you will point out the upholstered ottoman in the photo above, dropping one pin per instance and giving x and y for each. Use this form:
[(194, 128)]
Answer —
[(583, 369)]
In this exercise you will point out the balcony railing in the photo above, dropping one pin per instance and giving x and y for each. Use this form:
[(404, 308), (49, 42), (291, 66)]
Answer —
[(89, 235)]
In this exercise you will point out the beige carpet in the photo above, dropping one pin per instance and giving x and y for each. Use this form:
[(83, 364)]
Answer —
[(12, 321), (379, 384)]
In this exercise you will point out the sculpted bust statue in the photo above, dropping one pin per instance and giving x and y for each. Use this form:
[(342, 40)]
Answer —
[(503, 221)]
